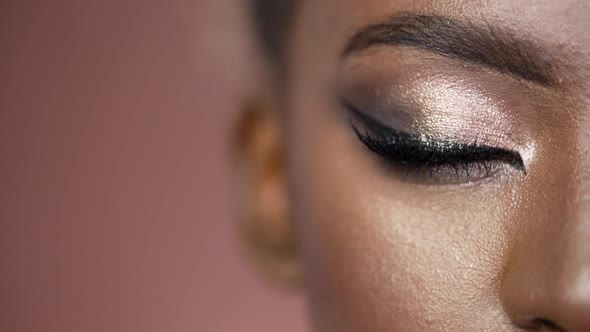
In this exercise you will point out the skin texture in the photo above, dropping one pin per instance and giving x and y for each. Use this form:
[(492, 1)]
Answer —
[(378, 250)]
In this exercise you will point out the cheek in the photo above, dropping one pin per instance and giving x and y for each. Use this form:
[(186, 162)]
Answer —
[(380, 254)]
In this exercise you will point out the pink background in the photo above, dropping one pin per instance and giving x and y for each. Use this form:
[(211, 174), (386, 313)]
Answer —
[(115, 209)]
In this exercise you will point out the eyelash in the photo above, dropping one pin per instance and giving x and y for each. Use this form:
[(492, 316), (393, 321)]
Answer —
[(423, 156)]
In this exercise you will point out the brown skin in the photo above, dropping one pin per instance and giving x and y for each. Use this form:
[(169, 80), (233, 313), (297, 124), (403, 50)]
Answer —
[(379, 250)]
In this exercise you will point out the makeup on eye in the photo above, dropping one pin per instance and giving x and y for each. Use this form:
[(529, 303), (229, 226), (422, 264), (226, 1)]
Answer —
[(425, 155), (447, 102), (428, 116)]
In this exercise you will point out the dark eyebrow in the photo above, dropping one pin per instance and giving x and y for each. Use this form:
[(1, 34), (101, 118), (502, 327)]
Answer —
[(460, 41)]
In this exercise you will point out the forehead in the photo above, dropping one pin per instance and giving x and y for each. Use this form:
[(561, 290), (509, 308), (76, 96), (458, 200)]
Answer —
[(560, 27)]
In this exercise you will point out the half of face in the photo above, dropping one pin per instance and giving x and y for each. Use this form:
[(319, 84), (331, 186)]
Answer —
[(433, 159)]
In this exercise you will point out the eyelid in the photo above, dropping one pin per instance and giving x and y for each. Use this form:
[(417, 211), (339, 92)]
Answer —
[(390, 143)]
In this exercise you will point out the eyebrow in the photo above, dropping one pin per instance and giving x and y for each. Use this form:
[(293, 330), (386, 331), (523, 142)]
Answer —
[(465, 42)]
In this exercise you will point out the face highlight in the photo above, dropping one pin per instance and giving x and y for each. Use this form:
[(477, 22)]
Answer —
[(437, 157)]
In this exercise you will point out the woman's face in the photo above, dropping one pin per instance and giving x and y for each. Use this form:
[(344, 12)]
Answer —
[(438, 161)]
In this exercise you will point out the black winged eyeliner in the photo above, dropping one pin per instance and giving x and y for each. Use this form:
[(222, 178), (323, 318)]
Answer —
[(432, 152)]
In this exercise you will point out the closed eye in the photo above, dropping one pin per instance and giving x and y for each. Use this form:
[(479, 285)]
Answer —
[(428, 154)]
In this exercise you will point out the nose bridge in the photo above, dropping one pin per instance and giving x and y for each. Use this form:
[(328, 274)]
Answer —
[(564, 290), (547, 280), (571, 237), (568, 262), (566, 233), (579, 290)]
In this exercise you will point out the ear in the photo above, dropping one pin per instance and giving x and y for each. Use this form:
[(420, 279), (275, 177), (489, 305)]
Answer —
[(263, 199)]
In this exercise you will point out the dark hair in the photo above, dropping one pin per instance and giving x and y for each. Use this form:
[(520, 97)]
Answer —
[(272, 20)]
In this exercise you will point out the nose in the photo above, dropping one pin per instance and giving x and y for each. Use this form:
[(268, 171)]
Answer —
[(546, 283)]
